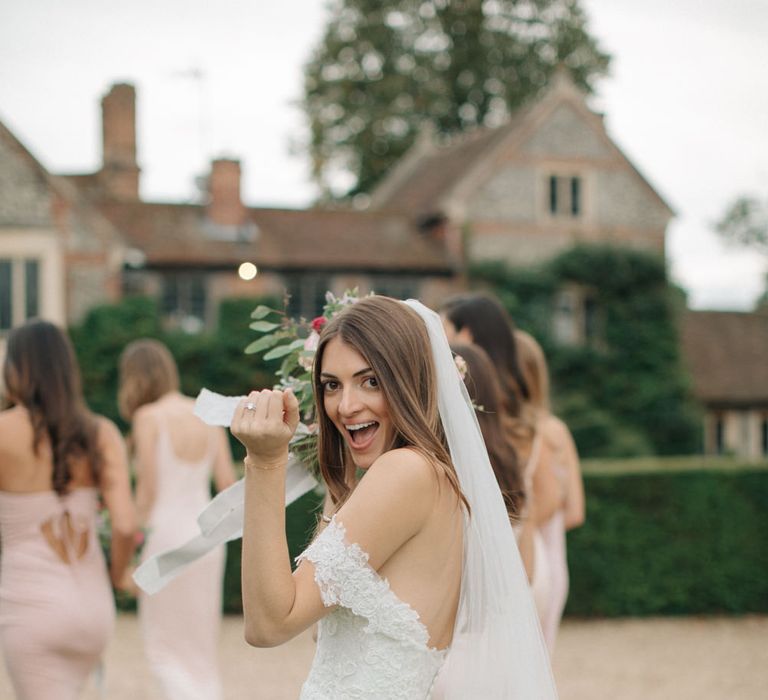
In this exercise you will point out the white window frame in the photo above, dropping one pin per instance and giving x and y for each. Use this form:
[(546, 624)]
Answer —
[(19, 246)]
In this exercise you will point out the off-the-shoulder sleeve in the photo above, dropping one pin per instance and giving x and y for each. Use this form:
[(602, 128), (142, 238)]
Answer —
[(345, 578)]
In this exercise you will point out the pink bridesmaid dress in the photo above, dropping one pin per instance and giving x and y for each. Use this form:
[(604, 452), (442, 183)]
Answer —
[(554, 549), (180, 623), (540, 585), (56, 606)]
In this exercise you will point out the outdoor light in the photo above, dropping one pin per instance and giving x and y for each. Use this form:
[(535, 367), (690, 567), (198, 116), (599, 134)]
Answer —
[(247, 271)]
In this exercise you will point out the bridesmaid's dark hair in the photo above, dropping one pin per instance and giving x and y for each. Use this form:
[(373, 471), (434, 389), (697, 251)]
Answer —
[(41, 374), (492, 329), (482, 382)]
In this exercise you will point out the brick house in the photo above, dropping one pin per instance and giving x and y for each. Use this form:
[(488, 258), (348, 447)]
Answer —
[(189, 255), (524, 191), (727, 355), (58, 254), (521, 192)]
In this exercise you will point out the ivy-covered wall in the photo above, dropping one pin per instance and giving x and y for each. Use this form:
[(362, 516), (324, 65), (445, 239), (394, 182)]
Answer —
[(626, 391)]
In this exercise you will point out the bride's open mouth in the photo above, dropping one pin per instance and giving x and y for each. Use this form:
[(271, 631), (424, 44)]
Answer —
[(361, 435)]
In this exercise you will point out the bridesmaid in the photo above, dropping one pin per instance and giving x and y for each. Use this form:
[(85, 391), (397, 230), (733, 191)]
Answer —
[(498, 429), (565, 461), (480, 319), (57, 459), (176, 455)]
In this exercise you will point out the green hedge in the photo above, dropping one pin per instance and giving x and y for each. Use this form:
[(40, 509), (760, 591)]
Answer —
[(657, 542), (682, 542)]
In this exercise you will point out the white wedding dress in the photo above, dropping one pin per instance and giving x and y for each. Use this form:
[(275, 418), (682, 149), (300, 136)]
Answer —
[(373, 645)]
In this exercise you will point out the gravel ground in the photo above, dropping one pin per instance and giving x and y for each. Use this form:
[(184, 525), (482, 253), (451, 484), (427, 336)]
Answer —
[(649, 659)]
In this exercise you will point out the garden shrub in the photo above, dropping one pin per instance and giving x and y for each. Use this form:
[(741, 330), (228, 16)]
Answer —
[(671, 543)]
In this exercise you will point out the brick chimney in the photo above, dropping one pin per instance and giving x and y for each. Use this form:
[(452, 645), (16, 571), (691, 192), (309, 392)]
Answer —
[(225, 208), (119, 173)]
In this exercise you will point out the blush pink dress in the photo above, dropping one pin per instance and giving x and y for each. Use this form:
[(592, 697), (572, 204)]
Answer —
[(540, 585), (56, 615), (553, 538), (180, 623)]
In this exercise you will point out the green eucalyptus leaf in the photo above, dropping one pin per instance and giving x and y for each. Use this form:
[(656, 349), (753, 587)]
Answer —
[(279, 351), (264, 326), (289, 364), (262, 344), (262, 311)]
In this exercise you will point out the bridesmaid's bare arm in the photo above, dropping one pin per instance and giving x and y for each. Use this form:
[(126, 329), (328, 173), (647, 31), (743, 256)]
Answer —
[(145, 435), (115, 486), (547, 491)]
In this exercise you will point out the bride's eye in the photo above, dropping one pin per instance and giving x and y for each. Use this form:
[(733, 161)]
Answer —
[(329, 385), (371, 383)]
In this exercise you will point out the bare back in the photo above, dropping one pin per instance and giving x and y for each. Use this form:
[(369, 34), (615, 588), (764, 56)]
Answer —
[(24, 471), (190, 442)]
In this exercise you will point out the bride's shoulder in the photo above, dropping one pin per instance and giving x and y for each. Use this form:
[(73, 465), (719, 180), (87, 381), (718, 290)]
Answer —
[(405, 468)]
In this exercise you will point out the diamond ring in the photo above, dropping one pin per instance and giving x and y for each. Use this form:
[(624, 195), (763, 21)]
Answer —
[(250, 406)]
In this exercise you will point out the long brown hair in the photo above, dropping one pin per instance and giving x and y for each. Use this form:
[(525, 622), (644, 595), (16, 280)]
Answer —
[(393, 340), (491, 328), (482, 382), (147, 372), (533, 364), (41, 374)]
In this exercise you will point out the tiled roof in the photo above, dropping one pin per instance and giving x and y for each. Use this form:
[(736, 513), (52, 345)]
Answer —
[(727, 355), (435, 174), (180, 234)]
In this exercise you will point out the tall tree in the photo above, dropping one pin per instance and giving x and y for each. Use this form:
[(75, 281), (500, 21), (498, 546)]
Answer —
[(383, 69), (745, 222)]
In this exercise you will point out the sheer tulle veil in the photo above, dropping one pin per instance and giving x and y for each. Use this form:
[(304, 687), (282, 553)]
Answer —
[(498, 651)]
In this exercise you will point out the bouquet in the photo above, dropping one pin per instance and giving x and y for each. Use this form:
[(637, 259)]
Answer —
[(295, 342)]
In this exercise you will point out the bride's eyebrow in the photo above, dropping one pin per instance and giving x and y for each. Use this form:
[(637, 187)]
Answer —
[(328, 375)]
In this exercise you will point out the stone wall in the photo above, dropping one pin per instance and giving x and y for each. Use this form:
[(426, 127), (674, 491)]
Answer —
[(25, 198)]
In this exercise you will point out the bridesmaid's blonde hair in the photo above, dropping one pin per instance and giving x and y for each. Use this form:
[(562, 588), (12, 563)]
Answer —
[(533, 365), (147, 372)]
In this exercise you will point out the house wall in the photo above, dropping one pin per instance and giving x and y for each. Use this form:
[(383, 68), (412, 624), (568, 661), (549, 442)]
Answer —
[(44, 246), (28, 232), (25, 198), (742, 431), (508, 216)]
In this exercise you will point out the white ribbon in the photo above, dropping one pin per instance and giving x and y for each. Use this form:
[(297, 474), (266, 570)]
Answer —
[(222, 519)]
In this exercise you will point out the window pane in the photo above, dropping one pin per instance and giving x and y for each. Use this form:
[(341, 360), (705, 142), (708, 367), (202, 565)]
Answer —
[(170, 297), (6, 303), (31, 288), (552, 194), (590, 319), (719, 435), (575, 196), (196, 306)]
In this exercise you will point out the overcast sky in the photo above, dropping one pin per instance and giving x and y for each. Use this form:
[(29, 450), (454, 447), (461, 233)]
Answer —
[(687, 101)]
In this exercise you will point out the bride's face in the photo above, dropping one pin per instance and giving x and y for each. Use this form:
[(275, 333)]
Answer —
[(353, 400)]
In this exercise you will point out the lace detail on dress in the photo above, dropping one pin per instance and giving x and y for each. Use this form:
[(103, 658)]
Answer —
[(373, 645)]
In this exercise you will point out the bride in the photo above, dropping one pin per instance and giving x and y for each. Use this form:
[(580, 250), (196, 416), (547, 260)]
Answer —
[(414, 575)]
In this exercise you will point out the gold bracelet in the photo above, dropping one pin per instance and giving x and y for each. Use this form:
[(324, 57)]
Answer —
[(250, 465)]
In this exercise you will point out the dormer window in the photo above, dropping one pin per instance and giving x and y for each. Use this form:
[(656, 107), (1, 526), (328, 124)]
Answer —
[(564, 196)]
